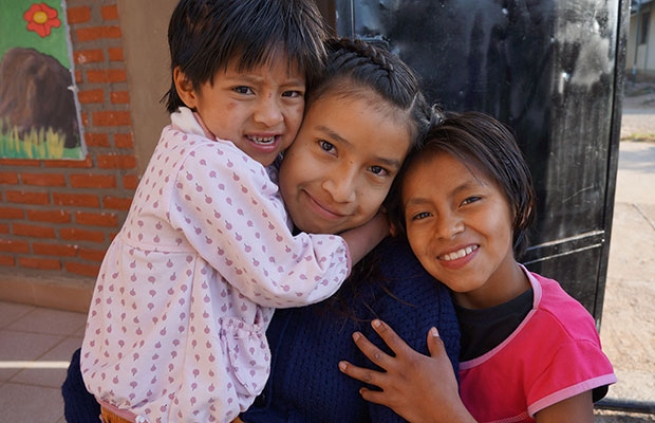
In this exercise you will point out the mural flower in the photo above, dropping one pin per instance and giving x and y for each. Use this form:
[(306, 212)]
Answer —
[(41, 18)]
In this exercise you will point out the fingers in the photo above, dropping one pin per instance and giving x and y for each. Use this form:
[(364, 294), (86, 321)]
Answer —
[(435, 344), (361, 374), (389, 337), (372, 352)]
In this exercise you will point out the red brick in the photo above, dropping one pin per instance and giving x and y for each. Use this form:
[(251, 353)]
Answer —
[(117, 203), (96, 140), (79, 200), (96, 76), (115, 54), (82, 269), (91, 254), (88, 56), (109, 13), (116, 161), (4, 228), (8, 178), (43, 179), (120, 97), (34, 231), (13, 212), (7, 261), (77, 234), (52, 216), (91, 96), (78, 14), (14, 246), (130, 181), (41, 248), (75, 164), (20, 162), (123, 140), (85, 119), (116, 75), (92, 181), (39, 263), (96, 219), (98, 32), (105, 76), (22, 197), (111, 118)]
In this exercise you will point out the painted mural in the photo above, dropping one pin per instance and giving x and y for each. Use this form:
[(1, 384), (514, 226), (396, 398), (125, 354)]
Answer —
[(39, 117)]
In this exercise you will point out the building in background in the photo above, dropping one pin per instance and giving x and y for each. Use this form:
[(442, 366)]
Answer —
[(640, 60)]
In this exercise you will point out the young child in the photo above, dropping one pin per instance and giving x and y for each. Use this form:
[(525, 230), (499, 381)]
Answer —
[(176, 328), (530, 352)]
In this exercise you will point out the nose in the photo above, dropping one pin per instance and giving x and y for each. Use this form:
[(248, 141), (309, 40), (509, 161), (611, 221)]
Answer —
[(268, 111), (448, 224), (341, 185)]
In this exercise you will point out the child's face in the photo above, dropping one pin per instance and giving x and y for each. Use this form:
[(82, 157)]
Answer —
[(459, 225), (340, 168), (259, 110)]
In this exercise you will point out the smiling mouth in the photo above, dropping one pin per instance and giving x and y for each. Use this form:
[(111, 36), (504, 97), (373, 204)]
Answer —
[(325, 212), (459, 253), (263, 140)]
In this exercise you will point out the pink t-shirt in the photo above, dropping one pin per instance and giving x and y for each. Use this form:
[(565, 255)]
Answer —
[(553, 355), (176, 328)]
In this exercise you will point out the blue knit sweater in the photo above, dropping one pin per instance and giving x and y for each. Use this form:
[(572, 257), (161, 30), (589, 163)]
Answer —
[(307, 343)]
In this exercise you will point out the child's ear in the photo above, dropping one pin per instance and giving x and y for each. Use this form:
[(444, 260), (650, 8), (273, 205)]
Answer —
[(184, 88), (393, 229)]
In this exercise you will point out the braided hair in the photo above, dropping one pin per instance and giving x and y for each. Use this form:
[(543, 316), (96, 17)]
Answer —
[(357, 68)]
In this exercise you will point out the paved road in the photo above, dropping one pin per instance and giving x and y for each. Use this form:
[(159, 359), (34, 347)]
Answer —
[(628, 319)]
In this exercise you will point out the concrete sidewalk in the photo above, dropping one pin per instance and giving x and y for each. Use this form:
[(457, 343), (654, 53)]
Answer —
[(628, 319)]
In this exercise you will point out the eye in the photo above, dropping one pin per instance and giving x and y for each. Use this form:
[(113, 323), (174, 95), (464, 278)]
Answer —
[(420, 216), (470, 200), (326, 146), (242, 90), (293, 94), (379, 170)]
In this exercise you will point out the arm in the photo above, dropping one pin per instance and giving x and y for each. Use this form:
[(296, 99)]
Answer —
[(411, 383), (228, 209), (362, 239), (577, 409)]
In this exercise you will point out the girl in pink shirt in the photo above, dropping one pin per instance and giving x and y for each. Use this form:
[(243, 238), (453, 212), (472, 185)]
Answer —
[(530, 352)]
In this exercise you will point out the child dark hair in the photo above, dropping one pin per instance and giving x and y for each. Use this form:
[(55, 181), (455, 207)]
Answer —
[(355, 67), (204, 35), (488, 146)]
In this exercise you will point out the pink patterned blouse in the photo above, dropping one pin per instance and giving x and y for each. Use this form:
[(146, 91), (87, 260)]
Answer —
[(176, 329)]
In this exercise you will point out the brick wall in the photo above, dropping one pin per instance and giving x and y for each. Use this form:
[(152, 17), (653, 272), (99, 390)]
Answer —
[(57, 217)]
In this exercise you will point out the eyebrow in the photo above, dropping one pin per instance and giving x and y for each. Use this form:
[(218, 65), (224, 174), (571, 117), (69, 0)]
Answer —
[(417, 201), (333, 135)]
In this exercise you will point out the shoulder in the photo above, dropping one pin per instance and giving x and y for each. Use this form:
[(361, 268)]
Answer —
[(413, 301), (560, 309)]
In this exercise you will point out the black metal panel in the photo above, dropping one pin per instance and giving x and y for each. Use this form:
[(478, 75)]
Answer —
[(553, 71)]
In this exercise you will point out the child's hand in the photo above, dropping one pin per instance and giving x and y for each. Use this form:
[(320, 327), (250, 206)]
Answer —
[(417, 387)]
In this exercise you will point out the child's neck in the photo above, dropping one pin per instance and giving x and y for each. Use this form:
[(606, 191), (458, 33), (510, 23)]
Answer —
[(498, 290)]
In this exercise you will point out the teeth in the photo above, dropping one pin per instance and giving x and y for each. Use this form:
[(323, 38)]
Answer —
[(260, 140), (459, 254)]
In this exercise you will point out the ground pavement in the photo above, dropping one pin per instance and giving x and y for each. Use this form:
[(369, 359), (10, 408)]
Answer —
[(628, 319)]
